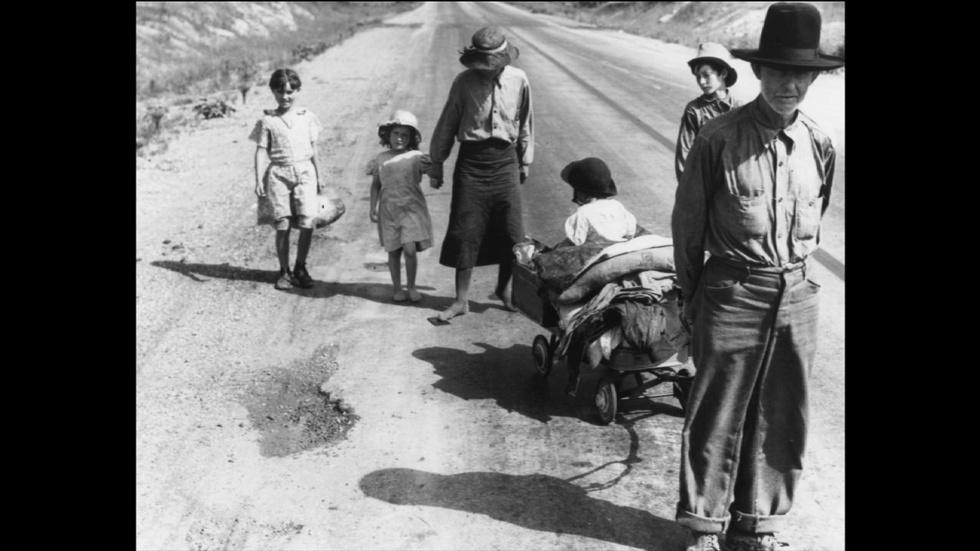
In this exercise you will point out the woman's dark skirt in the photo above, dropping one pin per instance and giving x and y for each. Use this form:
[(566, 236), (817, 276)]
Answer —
[(485, 214)]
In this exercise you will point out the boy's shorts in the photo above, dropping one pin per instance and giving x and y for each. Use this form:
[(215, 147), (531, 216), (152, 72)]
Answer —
[(292, 192)]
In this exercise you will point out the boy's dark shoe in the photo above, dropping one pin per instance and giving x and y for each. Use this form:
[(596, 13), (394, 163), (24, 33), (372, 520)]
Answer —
[(301, 277), (740, 541), (285, 281)]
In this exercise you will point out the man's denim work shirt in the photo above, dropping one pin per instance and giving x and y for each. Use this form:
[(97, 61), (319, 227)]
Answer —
[(751, 192), (477, 110), (698, 112)]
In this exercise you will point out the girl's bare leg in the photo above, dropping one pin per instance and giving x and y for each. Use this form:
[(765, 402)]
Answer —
[(411, 267), (395, 268)]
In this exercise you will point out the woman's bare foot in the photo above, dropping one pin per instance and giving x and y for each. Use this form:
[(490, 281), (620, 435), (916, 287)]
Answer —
[(414, 295), (455, 309), (506, 299), (399, 296)]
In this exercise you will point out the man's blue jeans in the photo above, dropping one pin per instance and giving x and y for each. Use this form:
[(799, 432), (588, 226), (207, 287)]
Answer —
[(754, 342)]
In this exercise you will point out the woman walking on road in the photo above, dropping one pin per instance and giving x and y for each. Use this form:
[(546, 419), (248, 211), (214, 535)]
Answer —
[(489, 112)]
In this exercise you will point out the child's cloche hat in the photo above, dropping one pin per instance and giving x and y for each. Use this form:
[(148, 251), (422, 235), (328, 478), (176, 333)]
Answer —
[(400, 118), (590, 176)]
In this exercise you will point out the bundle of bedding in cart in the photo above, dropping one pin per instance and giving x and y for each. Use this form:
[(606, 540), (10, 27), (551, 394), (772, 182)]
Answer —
[(613, 294)]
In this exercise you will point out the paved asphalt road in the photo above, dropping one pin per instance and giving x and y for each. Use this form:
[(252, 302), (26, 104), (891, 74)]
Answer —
[(458, 444)]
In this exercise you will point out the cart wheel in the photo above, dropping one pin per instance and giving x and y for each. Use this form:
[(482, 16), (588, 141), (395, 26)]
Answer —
[(682, 388), (542, 354), (606, 400)]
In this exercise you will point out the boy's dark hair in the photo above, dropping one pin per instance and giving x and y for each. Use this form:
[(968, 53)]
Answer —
[(717, 67), (385, 133), (281, 76)]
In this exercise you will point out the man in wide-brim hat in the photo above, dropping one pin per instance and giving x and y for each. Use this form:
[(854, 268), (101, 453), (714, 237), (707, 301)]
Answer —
[(488, 112), (755, 186)]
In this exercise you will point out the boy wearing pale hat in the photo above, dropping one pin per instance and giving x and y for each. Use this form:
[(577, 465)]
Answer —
[(712, 69), (755, 186)]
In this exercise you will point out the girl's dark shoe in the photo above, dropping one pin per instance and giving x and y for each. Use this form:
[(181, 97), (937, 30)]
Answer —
[(301, 277)]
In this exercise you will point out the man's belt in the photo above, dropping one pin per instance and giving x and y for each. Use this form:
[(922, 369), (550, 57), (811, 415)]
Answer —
[(759, 268)]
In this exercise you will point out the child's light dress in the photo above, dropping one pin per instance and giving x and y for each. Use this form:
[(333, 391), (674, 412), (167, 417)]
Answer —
[(403, 216), (602, 219)]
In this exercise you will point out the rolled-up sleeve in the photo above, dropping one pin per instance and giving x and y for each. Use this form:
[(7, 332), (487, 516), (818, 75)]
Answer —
[(525, 135), (690, 216)]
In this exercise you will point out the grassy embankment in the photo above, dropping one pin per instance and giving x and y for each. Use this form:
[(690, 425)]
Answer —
[(209, 54), (734, 24)]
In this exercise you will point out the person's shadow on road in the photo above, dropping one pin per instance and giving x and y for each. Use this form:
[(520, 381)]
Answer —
[(373, 291), (538, 502)]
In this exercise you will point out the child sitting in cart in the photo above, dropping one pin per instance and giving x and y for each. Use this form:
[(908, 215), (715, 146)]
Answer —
[(598, 218), (599, 221)]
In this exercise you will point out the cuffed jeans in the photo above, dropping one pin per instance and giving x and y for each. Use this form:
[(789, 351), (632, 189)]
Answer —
[(753, 343)]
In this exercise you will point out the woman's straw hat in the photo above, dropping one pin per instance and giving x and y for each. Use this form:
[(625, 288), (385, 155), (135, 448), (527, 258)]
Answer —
[(489, 50)]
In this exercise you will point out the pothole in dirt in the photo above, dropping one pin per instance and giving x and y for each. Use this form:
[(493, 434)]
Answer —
[(290, 411)]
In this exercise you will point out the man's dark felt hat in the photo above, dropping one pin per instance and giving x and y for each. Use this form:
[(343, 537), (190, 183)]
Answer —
[(790, 38), (590, 176)]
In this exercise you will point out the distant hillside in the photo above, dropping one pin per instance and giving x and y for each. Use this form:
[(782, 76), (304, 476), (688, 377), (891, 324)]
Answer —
[(734, 24), (183, 47)]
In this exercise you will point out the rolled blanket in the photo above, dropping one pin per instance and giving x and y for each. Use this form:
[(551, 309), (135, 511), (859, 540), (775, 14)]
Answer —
[(599, 274)]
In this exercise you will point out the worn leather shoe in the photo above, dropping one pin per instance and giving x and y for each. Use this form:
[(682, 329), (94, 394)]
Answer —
[(302, 277), (285, 281), (701, 541)]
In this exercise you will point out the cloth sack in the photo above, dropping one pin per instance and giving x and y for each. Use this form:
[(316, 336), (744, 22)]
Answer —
[(329, 210), (607, 271)]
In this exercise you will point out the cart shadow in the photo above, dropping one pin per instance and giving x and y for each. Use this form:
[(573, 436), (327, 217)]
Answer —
[(505, 375), (658, 400), (508, 377), (373, 291), (537, 502)]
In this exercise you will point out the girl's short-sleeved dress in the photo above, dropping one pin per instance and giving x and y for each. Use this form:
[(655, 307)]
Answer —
[(403, 215)]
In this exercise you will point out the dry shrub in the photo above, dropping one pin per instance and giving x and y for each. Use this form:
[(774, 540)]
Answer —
[(213, 108)]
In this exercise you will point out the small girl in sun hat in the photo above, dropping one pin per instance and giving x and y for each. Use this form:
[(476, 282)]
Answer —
[(397, 203)]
